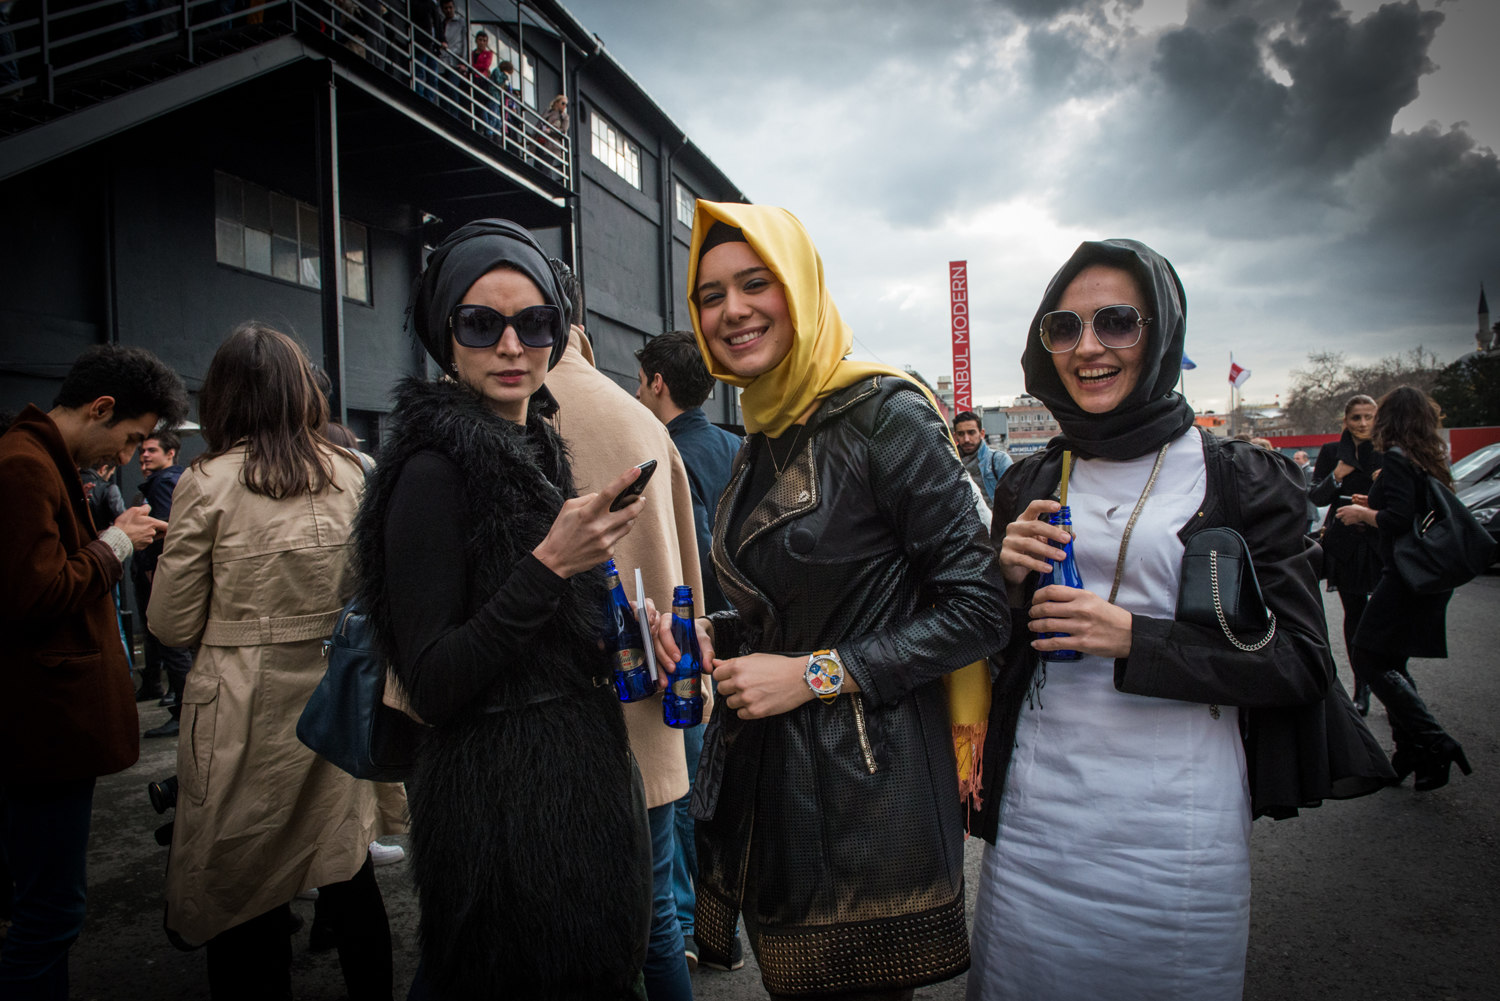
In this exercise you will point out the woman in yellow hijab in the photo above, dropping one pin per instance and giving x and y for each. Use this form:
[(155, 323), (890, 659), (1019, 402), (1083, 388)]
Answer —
[(827, 801)]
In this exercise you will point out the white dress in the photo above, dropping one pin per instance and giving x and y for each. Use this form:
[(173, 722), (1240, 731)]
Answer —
[(1122, 866)]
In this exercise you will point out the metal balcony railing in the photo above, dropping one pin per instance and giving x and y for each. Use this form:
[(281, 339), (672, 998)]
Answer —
[(66, 43)]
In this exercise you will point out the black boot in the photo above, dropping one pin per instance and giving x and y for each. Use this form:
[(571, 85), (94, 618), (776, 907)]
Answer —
[(1421, 742), (1432, 768), (1362, 698)]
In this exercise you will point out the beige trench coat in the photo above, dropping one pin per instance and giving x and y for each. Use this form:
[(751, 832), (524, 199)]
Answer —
[(606, 431), (257, 583)]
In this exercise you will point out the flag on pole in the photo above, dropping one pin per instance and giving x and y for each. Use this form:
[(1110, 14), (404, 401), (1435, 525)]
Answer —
[(1238, 374), (1187, 363)]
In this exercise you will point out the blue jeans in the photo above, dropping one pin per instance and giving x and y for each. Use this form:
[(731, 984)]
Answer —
[(666, 965), (685, 858), (44, 830), (426, 74)]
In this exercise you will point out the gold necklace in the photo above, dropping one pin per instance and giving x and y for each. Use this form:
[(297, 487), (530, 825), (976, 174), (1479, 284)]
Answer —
[(780, 467)]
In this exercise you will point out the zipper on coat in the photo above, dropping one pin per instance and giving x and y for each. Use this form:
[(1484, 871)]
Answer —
[(864, 736)]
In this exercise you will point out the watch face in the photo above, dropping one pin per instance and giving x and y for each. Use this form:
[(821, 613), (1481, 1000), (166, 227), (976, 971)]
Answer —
[(825, 676)]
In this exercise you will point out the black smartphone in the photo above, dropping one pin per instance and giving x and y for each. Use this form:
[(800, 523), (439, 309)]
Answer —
[(636, 488)]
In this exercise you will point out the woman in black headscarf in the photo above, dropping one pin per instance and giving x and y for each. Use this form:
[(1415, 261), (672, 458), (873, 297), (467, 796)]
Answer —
[(1119, 788), (480, 570), (1351, 553)]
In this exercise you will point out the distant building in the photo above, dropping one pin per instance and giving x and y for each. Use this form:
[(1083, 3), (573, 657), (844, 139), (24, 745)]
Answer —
[(1263, 421), (945, 392), (1029, 426), (996, 421), (1215, 424)]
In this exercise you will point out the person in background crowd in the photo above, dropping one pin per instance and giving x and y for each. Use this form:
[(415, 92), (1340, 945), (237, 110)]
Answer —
[(484, 69), (68, 714), (481, 573), (557, 113), (557, 117), (1301, 459), (1351, 552), (1119, 787), (159, 466), (601, 425), (859, 576), (105, 500), (105, 505), (454, 38), (254, 573), (984, 465), (427, 29), (1400, 623), (673, 385)]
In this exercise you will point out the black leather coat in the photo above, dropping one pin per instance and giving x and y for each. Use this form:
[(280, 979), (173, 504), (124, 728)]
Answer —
[(1303, 740), (837, 827)]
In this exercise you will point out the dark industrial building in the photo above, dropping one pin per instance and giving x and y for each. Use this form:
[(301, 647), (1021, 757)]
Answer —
[(169, 169)]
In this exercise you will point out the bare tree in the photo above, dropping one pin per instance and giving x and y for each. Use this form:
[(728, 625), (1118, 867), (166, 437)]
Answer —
[(1320, 390)]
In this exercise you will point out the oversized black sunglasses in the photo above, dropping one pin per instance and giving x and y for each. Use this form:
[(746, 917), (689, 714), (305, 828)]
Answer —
[(476, 326), (1114, 326)]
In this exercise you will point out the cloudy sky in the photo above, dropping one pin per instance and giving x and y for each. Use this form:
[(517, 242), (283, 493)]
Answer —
[(1322, 173)]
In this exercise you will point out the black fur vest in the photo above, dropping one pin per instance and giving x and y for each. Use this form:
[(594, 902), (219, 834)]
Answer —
[(529, 846)]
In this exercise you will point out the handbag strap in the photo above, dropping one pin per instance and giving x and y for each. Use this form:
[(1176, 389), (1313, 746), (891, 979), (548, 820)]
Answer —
[(1213, 576), (1161, 455)]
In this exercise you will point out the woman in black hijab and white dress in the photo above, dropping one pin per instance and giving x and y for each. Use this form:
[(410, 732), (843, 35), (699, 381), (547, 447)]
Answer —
[(1119, 788)]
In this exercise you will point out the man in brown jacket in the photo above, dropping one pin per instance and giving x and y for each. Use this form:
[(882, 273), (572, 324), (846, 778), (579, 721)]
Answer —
[(68, 714), (605, 431)]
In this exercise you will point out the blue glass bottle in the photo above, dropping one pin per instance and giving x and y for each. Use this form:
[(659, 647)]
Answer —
[(622, 635), (1065, 573), (682, 706)]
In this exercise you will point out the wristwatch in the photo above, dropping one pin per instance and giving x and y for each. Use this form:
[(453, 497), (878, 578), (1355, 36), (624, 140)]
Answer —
[(825, 674)]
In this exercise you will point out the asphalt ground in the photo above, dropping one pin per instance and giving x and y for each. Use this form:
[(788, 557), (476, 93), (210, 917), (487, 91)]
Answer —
[(1392, 897)]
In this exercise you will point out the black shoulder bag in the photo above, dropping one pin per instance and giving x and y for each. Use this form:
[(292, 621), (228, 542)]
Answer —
[(1218, 586), (1446, 547), (346, 720)]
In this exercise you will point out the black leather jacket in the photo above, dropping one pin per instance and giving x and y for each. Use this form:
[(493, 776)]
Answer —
[(837, 826), (1303, 740)]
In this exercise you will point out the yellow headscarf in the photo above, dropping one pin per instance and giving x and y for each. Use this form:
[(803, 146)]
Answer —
[(816, 366)]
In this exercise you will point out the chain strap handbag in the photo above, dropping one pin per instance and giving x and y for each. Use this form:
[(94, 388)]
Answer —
[(1219, 588)]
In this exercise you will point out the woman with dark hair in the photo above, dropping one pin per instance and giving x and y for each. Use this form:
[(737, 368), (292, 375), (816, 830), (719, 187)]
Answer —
[(1119, 786), (254, 571), (1401, 623), (827, 794), (482, 574), (1351, 553)]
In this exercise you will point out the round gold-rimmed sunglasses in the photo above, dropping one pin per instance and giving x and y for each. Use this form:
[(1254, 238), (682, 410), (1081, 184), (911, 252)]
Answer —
[(1114, 327)]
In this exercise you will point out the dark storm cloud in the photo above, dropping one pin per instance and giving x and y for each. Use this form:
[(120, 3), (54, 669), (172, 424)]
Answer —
[(1216, 121), (1253, 144)]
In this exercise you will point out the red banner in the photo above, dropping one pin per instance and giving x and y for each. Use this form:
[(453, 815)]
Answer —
[(958, 291)]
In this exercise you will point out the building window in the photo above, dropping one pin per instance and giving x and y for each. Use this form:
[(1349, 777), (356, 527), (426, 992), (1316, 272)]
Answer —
[(271, 234), (685, 202), (610, 146)]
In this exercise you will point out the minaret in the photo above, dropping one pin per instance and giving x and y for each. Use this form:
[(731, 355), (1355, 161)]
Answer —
[(1484, 335)]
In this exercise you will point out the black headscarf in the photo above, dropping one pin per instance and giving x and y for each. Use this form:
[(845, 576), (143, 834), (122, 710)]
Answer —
[(468, 254), (1154, 412)]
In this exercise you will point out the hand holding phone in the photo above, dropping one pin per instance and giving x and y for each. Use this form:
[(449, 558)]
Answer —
[(583, 535), (636, 488)]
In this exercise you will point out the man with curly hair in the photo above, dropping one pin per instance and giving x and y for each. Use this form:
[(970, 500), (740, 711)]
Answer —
[(68, 714)]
